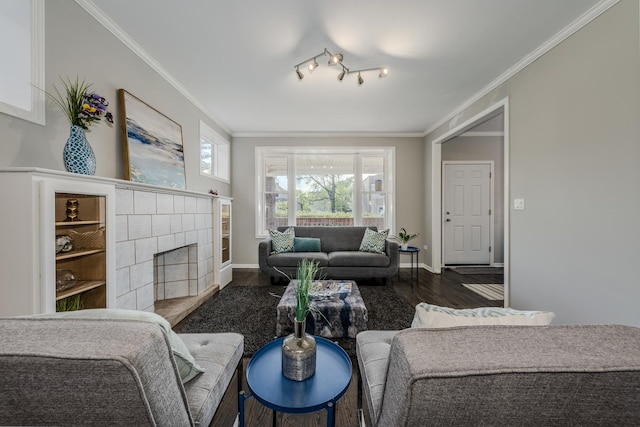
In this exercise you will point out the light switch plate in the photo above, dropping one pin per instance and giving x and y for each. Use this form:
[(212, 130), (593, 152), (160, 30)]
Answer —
[(518, 204)]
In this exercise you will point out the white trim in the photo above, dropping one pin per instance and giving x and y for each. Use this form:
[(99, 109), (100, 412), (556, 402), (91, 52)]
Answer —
[(492, 201), (436, 189), (388, 153), (241, 266), (117, 31), (284, 134), (483, 134), (36, 113), (562, 35), (213, 138)]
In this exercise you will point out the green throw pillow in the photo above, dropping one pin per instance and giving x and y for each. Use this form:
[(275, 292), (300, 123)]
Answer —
[(374, 241), (187, 366), (282, 241), (306, 244)]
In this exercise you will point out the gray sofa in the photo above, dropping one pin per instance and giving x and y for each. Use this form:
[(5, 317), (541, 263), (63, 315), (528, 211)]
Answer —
[(501, 375), (112, 372), (339, 257)]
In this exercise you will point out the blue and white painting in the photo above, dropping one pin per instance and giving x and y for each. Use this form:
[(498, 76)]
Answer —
[(154, 145)]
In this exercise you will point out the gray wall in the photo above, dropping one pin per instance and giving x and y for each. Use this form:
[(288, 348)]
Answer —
[(409, 185), (468, 148), (574, 153), (76, 45)]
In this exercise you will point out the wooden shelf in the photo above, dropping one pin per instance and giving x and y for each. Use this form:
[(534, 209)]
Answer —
[(78, 253), (82, 286), (76, 223)]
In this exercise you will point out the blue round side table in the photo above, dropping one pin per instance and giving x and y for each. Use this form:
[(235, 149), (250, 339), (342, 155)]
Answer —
[(269, 386)]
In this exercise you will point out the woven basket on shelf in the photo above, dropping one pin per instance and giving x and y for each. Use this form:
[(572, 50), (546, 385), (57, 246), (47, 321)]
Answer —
[(88, 239)]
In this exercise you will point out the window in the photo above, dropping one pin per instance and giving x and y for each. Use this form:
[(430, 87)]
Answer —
[(22, 40), (214, 154), (324, 187)]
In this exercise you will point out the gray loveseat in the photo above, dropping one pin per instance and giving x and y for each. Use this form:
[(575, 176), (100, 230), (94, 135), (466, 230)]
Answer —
[(339, 256), (113, 372), (501, 375)]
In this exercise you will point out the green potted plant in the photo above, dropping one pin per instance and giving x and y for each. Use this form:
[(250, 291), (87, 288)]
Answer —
[(405, 237), (299, 348)]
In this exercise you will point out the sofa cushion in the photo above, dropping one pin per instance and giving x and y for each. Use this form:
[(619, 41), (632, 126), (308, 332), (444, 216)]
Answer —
[(187, 366), (433, 316), (513, 375), (372, 350), (91, 371), (333, 238), (357, 259), (219, 354), (291, 259), (306, 244), (282, 241), (374, 241)]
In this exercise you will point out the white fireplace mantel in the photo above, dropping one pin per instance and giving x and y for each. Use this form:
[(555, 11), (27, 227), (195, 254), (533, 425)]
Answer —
[(148, 220)]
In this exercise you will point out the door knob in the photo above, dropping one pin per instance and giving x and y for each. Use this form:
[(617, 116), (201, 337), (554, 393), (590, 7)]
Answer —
[(448, 219)]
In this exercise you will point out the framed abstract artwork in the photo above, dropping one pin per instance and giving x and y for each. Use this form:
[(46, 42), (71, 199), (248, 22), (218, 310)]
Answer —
[(152, 144)]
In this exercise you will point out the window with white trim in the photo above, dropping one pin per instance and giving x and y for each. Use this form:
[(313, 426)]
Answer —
[(324, 187), (215, 154)]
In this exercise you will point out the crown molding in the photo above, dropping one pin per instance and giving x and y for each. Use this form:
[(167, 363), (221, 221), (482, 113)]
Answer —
[(328, 135), (117, 31), (565, 33), (483, 133)]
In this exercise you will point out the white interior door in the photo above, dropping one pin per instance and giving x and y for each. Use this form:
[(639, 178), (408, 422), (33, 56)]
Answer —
[(466, 213)]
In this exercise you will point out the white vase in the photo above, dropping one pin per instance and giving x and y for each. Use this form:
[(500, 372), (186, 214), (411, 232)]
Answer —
[(404, 246)]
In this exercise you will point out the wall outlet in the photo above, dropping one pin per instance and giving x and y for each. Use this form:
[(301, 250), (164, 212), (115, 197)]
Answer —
[(426, 248), (518, 204)]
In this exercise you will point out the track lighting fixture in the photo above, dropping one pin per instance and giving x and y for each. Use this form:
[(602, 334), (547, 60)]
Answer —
[(335, 59)]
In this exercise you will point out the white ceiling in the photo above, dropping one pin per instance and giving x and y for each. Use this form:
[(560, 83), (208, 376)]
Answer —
[(236, 58)]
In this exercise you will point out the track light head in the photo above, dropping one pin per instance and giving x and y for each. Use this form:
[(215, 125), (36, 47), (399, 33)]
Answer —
[(360, 79), (342, 74), (299, 73), (313, 65), (335, 59), (384, 71)]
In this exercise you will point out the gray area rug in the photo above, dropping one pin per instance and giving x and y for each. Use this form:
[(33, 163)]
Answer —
[(251, 311)]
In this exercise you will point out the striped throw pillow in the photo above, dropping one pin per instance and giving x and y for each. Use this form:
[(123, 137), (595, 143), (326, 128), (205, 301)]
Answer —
[(374, 241), (282, 241), (433, 316)]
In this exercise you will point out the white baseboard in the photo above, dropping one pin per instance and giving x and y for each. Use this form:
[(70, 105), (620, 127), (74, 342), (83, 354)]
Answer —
[(240, 266)]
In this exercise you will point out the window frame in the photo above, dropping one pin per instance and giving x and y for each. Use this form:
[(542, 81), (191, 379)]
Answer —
[(208, 136), (36, 80), (263, 152)]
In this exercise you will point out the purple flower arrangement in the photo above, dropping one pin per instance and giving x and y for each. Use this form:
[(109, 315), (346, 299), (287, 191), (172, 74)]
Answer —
[(81, 106)]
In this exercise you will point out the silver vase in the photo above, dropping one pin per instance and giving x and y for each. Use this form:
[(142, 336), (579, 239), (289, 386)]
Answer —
[(298, 354)]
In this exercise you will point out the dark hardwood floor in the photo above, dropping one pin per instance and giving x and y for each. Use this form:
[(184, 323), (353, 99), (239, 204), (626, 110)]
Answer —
[(440, 289)]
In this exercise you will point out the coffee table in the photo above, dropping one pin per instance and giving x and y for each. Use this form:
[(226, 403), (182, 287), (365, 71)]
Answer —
[(343, 314), (322, 390)]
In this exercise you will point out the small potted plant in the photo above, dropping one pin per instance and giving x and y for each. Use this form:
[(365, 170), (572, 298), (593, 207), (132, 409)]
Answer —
[(299, 348), (405, 237)]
